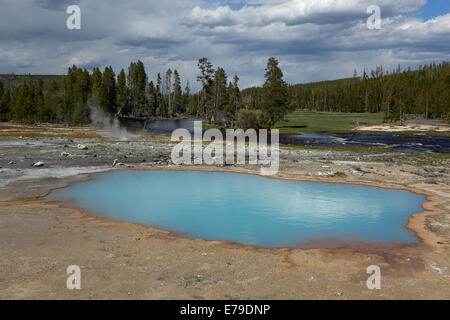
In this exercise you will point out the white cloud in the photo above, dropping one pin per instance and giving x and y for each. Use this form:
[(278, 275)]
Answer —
[(294, 12)]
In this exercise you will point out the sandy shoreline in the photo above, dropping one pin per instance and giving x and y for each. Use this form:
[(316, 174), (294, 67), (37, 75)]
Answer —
[(40, 238), (404, 128)]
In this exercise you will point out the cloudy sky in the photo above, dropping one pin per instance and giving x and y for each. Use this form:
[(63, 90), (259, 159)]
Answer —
[(313, 39)]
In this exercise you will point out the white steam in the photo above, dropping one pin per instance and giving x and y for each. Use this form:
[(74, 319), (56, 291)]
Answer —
[(112, 125)]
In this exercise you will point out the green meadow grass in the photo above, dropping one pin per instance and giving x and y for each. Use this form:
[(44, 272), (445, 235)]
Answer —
[(336, 122), (302, 121)]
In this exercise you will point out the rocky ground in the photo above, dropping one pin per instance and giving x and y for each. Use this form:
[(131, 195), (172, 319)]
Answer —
[(39, 238)]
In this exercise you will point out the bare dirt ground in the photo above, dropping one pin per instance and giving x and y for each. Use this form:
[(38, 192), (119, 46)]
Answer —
[(39, 239)]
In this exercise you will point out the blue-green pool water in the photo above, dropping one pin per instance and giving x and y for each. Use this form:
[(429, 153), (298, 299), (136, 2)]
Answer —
[(249, 209)]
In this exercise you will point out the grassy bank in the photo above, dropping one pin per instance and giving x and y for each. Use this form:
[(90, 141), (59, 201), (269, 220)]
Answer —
[(335, 122), (302, 121)]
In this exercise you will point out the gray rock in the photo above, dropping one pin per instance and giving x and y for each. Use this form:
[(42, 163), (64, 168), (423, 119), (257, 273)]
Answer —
[(82, 147), (117, 163), (357, 172), (39, 164), (326, 174)]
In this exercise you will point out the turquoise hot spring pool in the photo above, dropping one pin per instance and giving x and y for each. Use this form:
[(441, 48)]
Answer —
[(249, 209)]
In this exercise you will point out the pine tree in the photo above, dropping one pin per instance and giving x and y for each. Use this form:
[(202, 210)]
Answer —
[(108, 91), (177, 93), (275, 93), (168, 93), (96, 97), (39, 101), (206, 78), (23, 109), (5, 104), (186, 100), (137, 83), (122, 93), (233, 103), (220, 96), (159, 98), (51, 102), (82, 91), (97, 79)]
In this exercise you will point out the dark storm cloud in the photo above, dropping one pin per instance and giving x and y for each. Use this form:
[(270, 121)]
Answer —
[(149, 42), (61, 35), (55, 4), (99, 63)]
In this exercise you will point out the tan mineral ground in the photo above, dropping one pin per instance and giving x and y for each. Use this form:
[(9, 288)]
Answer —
[(40, 238)]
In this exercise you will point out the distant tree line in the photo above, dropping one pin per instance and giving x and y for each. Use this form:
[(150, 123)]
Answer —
[(220, 102), (69, 99), (131, 94), (424, 92)]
